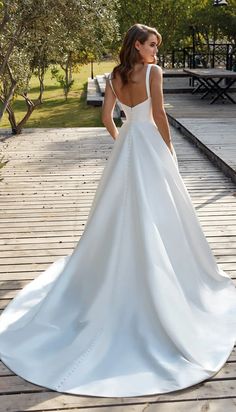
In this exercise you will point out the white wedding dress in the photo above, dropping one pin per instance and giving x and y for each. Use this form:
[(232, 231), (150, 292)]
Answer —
[(140, 307)]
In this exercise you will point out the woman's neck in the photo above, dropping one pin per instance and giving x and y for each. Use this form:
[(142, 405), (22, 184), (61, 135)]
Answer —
[(139, 66)]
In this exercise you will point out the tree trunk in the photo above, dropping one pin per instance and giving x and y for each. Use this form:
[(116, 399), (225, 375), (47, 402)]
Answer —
[(8, 94), (5, 19), (4, 63), (31, 106), (68, 75), (66, 89), (8, 98), (20, 125), (11, 116), (70, 72)]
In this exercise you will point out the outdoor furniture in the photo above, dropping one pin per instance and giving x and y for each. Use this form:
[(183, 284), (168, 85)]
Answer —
[(211, 80), (174, 73)]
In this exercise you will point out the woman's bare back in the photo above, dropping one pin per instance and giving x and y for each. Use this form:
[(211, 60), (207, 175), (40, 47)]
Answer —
[(134, 92)]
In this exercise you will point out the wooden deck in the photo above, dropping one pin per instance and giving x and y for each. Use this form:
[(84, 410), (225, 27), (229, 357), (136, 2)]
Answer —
[(211, 127), (48, 187), (190, 106)]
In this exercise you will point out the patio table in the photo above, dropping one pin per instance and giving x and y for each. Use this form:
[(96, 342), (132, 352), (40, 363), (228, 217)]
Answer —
[(211, 80)]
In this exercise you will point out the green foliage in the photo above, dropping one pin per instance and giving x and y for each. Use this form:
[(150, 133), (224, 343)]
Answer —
[(175, 19), (55, 110), (60, 78)]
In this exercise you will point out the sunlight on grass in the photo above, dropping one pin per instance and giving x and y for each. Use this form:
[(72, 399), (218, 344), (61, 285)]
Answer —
[(55, 111)]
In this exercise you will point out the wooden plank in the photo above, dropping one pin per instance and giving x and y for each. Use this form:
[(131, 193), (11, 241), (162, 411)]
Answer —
[(42, 240), (4, 303), (23, 268), (44, 402), (33, 247), (53, 253), (29, 399), (20, 275), (7, 285), (43, 259)]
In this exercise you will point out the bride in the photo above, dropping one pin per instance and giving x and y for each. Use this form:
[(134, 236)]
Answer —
[(140, 307)]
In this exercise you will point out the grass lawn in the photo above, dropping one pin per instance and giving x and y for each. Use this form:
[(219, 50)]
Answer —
[(55, 111)]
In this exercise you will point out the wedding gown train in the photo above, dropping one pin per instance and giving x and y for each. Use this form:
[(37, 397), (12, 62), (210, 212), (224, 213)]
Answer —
[(140, 307)]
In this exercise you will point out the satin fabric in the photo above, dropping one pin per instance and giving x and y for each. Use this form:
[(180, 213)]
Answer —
[(140, 307)]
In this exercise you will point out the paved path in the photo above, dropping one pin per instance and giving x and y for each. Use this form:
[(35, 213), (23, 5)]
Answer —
[(48, 187)]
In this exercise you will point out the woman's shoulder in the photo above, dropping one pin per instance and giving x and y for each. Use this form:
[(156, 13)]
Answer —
[(114, 75), (156, 70), (155, 73)]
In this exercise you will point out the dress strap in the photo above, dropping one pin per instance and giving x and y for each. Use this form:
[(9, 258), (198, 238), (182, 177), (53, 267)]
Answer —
[(109, 78), (148, 79)]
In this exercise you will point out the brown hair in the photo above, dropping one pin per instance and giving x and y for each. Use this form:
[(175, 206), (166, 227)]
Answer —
[(129, 55)]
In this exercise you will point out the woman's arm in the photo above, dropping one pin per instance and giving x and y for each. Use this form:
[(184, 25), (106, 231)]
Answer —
[(159, 114), (107, 111)]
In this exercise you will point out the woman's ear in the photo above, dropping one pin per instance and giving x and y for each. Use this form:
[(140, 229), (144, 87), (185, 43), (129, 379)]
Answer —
[(137, 45)]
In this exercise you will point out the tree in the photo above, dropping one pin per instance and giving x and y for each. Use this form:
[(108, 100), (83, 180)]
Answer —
[(177, 19), (82, 40), (44, 33), (165, 15), (24, 51)]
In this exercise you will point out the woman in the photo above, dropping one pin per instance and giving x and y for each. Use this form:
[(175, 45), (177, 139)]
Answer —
[(140, 47), (140, 307)]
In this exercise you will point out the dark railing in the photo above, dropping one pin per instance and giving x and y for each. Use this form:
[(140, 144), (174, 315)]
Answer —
[(208, 56)]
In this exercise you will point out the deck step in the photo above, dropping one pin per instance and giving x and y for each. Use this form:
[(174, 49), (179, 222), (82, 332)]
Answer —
[(94, 97)]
